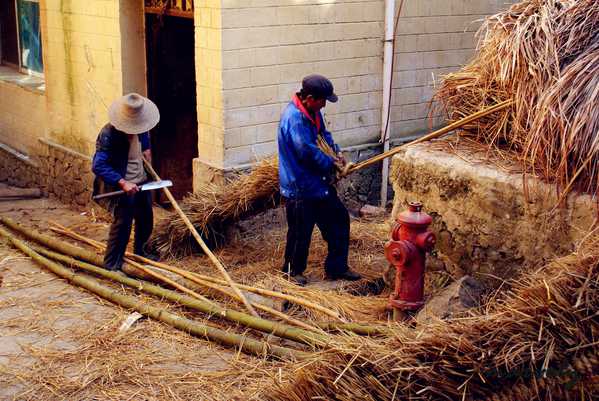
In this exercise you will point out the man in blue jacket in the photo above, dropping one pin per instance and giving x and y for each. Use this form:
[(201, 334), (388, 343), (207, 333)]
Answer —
[(118, 164), (306, 176)]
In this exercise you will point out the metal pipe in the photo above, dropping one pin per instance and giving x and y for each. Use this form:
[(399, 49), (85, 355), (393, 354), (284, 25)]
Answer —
[(387, 80)]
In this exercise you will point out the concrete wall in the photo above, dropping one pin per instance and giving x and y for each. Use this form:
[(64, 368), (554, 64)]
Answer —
[(268, 46)]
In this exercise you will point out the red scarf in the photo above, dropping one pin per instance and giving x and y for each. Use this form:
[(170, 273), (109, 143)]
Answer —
[(298, 103)]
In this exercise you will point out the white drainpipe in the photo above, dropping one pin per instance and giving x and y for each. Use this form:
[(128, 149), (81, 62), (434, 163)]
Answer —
[(387, 73)]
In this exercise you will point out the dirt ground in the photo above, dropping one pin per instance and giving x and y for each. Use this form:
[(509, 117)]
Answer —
[(58, 342)]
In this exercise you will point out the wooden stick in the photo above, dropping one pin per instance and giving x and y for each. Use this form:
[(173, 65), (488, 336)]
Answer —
[(200, 278), (457, 124), (201, 242), (244, 343)]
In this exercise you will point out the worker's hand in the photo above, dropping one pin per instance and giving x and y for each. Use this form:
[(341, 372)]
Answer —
[(129, 187), (340, 159), (148, 155)]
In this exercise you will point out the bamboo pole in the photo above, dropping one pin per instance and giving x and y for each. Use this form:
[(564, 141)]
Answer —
[(192, 277), (201, 242), (245, 344), (200, 278), (457, 124), (264, 325), (92, 257)]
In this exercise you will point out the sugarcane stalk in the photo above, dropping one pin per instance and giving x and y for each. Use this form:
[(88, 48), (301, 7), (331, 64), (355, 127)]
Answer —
[(201, 242), (245, 344), (350, 168), (193, 277), (244, 319), (92, 257)]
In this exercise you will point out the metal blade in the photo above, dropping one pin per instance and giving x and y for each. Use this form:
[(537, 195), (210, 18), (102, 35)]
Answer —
[(156, 185)]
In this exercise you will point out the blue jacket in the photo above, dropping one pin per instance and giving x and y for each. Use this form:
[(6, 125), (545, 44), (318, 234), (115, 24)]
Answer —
[(305, 172), (112, 155)]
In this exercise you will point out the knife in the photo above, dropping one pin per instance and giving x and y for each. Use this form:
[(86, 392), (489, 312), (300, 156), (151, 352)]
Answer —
[(145, 187)]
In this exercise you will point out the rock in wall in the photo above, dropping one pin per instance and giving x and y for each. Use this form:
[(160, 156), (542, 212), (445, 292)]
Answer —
[(484, 223)]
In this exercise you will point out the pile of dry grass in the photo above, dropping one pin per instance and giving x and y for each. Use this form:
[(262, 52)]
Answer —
[(544, 54), (213, 207), (538, 342)]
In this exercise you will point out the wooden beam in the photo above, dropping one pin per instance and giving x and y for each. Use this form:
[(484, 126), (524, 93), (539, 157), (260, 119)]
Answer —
[(173, 12)]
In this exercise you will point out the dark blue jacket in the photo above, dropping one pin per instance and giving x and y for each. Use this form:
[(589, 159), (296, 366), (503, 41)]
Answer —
[(112, 155), (305, 172)]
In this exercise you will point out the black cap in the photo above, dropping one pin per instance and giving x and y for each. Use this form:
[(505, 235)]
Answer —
[(319, 87)]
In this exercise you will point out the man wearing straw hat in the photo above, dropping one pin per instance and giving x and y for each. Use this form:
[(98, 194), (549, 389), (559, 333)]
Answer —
[(118, 164), (306, 174)]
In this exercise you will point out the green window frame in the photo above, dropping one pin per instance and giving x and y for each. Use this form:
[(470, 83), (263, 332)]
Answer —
[(30, 37)]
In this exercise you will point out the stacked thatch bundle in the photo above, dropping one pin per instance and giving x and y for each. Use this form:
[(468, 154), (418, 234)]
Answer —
[(212, 207), (539, 342), (545, 55)]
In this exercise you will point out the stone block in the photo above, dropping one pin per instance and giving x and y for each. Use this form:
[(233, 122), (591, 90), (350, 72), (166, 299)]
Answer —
[(458, 297), (483, 222)]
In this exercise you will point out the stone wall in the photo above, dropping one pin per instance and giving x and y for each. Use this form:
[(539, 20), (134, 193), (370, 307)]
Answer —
[(484, 223), (18, 169), (66, 174)]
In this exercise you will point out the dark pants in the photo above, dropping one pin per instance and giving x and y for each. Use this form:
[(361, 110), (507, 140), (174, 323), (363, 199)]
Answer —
[(127, 209), (332, 219)]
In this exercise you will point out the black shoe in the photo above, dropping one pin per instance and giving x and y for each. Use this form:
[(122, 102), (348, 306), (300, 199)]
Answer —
[(152, 256), (348, 275), (299, 279)]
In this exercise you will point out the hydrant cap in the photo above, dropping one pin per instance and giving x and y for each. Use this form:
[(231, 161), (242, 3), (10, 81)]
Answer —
[(414, 216)]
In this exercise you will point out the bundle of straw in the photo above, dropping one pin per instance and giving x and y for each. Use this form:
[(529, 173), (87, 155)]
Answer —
[(212, 207), (545, 55), (539, 342)]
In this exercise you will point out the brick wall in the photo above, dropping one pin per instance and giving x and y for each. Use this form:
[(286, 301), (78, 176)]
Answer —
[(82, 67), (268, 46), (434, 37)]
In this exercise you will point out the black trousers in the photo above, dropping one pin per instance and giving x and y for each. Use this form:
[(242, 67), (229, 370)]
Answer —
[(332, 219), (127, 209)]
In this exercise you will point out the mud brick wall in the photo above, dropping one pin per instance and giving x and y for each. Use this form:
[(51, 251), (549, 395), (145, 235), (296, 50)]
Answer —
[(483, 222), (17, 169), (65, 174)]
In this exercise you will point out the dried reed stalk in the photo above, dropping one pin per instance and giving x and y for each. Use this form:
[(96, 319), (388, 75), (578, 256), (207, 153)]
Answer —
[(542, 333), (213, 207), (544, 55)]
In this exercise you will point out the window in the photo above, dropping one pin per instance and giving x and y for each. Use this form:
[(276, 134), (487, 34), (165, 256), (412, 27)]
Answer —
[(20, 35)]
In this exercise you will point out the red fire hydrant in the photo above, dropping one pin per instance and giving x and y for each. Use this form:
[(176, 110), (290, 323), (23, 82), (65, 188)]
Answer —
[(410, 240)]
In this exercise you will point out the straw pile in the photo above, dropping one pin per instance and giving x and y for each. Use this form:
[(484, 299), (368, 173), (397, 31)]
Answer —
[(213, 207), (545, 55), (539, 342)]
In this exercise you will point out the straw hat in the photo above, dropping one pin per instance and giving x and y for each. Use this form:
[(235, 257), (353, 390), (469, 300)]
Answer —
[(133, 114)]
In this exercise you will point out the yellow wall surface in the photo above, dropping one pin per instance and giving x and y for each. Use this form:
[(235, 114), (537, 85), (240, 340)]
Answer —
[(23, 116), (82, 57)]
